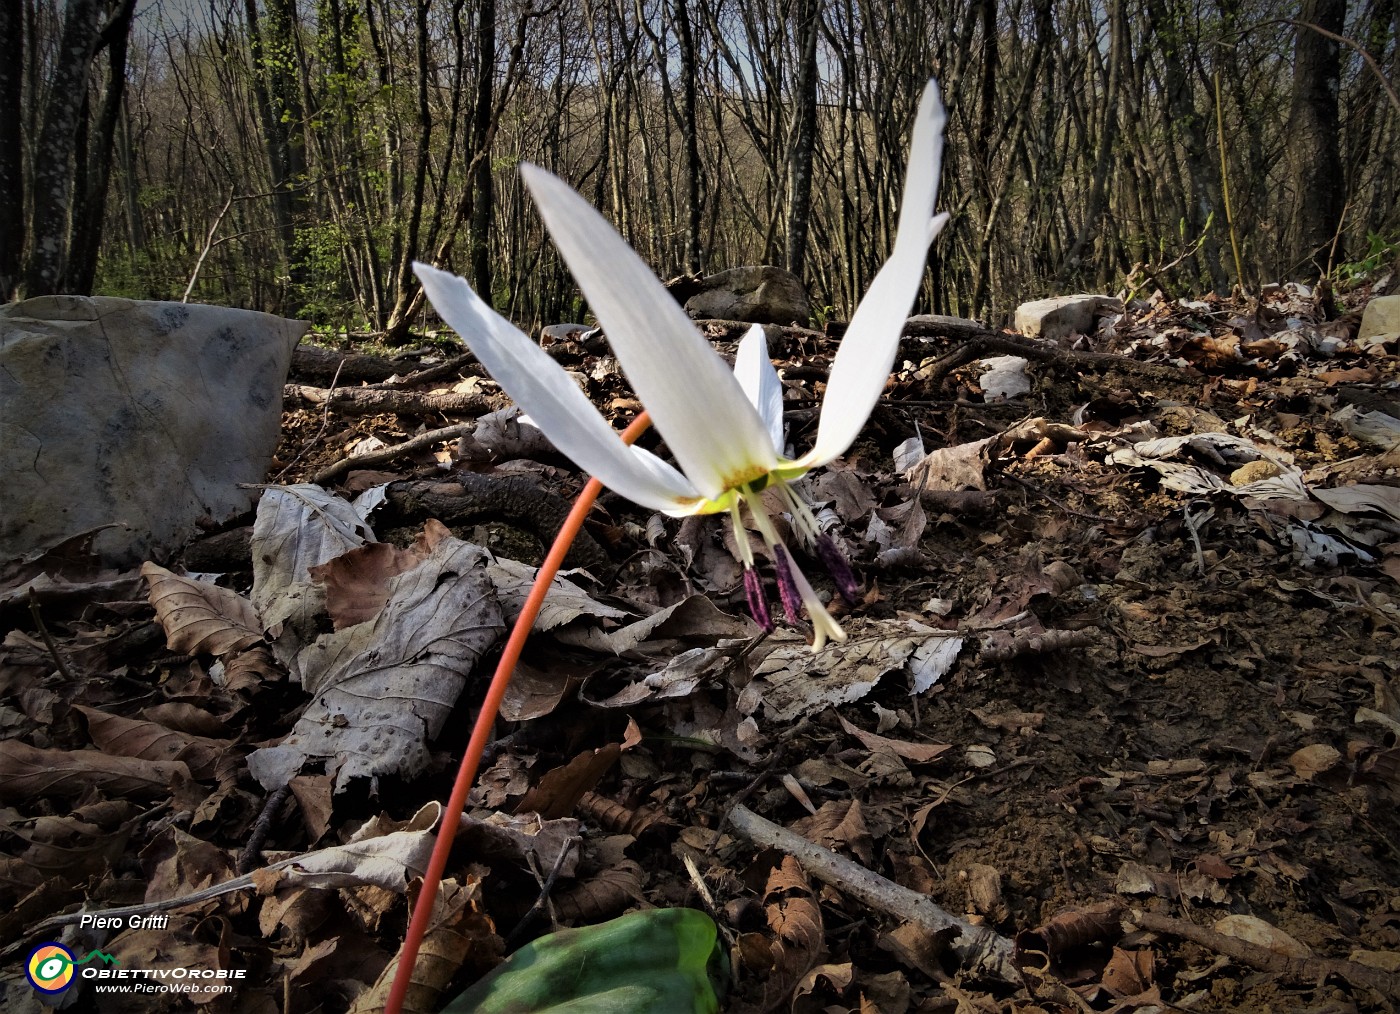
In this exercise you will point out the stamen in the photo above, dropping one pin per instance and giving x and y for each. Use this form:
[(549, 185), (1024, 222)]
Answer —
[(758, 599), (787, 585), (838, 568), (802, 518)]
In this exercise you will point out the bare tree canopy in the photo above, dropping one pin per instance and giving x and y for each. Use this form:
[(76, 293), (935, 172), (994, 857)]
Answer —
[(296, 155)]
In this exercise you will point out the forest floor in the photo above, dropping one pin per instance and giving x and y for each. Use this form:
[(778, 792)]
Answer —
[(1129, 701)]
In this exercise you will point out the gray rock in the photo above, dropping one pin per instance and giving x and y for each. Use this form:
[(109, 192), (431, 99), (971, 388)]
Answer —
[(1060, 316), (1381, 317), (759, 293), (143, 414), (565, 332)]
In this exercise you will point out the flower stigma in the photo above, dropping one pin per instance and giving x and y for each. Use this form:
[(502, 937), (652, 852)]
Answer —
[(794, 590)]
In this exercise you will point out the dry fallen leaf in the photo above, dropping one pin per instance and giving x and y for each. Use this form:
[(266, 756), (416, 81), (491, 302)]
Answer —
[(27, 772), (356, 583), (383, 689), (459, 929), (200, 618), (1311, 761), (127, 737), (796, 922), (919, 753), (297, 528), (839, 823), (1256, 931)]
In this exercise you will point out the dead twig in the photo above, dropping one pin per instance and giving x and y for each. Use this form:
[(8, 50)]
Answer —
[(450, 368), (418, 443), (48, 638), (978, 948), (546, 890), (252, 852), (1299, 970)]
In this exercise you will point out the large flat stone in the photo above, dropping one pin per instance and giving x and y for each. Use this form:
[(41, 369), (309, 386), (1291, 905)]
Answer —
[(1061, 316), (143, 414)]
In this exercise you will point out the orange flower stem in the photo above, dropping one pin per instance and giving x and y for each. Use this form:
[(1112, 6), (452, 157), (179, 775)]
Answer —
[(481, 732)]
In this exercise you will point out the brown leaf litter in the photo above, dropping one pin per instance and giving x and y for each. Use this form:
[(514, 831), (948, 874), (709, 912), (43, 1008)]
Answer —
[(1116, 728)]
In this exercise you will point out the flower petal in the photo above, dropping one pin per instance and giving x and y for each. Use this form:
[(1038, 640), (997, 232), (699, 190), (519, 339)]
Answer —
[(863, 362), (698, 407), (553, 401), (754, 371)]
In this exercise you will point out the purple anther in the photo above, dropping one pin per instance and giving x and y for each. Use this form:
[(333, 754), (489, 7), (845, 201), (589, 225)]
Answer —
[(838, 568), (787, 587), (758, 599)]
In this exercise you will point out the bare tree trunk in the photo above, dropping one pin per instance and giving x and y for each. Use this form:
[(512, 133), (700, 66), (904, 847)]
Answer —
[(90, 201), (1091, 225), (55, 155), (483, 193), (804, 138), (694, 261), (1189, 124), (1319, 189), (11, 148), (279, 103)]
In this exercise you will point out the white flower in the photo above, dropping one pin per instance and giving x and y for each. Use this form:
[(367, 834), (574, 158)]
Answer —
[(725, 430)]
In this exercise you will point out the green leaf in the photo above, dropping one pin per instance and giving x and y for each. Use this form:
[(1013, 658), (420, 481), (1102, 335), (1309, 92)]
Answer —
[(662, 961)]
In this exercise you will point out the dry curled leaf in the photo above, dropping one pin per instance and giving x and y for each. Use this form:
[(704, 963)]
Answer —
[(839, 823), (1069, 928), (624, 820), (1003, 645), (27, 772), (559, 790), (357, 581), (796, 921), (919, 753), (128, 737), (200, 618), (603, 895), (459, 933)]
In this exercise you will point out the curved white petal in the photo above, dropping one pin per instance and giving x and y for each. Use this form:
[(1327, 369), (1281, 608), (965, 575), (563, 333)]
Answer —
[(714, 433), (754, 371), (554, 402), (863, 362)]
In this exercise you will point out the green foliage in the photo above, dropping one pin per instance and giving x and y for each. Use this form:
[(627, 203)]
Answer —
[(322, 294), (662, 961), (822, 314), (1380, 253), (132, 276)]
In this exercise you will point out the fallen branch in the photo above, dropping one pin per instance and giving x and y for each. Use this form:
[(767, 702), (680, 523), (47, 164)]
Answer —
[(957, 501), (379, 457), (381, 401), (979, 948), (522, 501), (322, 364), (453, 367), (1304, 971)]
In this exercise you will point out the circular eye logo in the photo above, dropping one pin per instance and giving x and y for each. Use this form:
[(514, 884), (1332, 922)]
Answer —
[(50, 968)]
